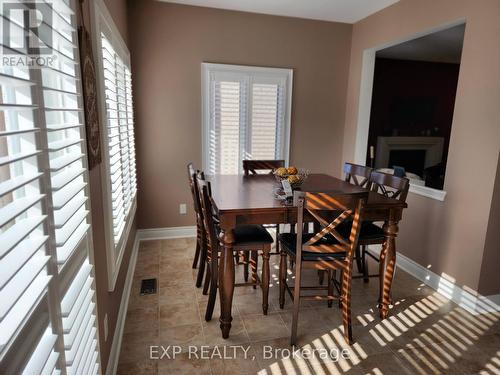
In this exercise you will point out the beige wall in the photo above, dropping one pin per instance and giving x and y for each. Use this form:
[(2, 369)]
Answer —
[(168, 45), (118, 10), (107, 302), (448, 236), (490, 277)]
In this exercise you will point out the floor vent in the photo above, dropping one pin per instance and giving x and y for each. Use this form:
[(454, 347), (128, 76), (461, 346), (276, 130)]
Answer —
[(148, 286)]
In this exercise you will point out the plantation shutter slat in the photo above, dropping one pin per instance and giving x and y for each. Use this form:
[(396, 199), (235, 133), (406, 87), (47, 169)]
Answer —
[(14, 260), (16, 233), (17, 207), (44, 207), (44, 358)]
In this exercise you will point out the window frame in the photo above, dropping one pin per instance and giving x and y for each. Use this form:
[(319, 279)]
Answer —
[(102, 22), (282, 73)]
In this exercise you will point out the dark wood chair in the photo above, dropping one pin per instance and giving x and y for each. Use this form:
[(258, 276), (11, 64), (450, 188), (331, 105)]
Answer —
[(372, 234), (249, 239), (326, 250), (251, 167), (255, 167), (200, 231), (357, 174)]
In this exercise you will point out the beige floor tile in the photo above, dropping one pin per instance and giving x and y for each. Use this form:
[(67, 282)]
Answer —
[(175, 263), (314, 319), (177, 314), (175, 280), (146, 270), (150, 244), (146, 367), (136, 345), (265, 327), (251, 303), (182, 335), (274, 356), (242, 361), (183, 364), (142, 318), (425, 333), (433, 359), (384, 363), (136, 300), (484, 352), (213, 335), (176, 294)]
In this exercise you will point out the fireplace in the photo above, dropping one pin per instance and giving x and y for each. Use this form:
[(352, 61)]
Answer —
[(413, 153), (411, 160)]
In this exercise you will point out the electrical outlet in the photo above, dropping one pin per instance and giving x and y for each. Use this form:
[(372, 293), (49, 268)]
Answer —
[(106, 327), (182, 209)]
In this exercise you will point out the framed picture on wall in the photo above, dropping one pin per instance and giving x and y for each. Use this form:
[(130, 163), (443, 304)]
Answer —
[(89, 85)]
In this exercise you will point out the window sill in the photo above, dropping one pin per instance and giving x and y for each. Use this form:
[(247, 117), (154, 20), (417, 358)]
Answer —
[(428, 192)]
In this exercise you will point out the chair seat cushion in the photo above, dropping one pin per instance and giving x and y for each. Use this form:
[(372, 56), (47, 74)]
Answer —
[(369, 231), (289, 244), (251, 234)]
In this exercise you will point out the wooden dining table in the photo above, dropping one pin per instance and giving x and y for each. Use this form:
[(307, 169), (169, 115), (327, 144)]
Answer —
[(251, 200)]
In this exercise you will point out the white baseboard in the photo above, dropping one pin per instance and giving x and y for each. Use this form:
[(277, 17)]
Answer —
[(469, 300), (166, 233), (114, 354)]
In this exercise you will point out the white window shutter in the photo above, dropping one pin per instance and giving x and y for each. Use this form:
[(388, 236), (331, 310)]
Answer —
[(247, 116), (120, 136), (228, 136), (267, 121), (44, 221)]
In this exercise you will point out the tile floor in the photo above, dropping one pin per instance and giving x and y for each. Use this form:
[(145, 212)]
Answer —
[(425, 334)]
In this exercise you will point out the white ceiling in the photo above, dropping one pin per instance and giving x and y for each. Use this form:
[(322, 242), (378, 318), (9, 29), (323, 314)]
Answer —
[(442, 46), (349, 11)]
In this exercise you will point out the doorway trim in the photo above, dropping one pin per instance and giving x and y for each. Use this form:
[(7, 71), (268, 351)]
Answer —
[(365, 101)]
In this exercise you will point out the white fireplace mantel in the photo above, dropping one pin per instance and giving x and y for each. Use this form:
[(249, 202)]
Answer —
[(433, 147), (433, 155)]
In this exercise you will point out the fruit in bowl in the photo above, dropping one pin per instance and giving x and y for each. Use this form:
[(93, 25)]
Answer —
[(292, 174), (281, 172), (293, 179)]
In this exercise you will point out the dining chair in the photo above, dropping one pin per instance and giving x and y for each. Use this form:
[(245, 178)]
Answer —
[(358, 175), (200, 232), (248, 239), (371, 234), (325, 250), (253, 167)]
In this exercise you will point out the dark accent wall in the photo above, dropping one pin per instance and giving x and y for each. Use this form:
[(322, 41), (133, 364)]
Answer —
[(413, 98)]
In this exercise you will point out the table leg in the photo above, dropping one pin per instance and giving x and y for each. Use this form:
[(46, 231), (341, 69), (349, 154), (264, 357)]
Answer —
[(226, 280), (265, 278), (386, 266)]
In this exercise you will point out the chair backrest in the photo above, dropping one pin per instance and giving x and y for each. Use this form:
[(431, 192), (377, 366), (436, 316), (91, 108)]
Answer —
[(194, 188), (389, 185), (208, 211), (254, 166), (353, 171), (329, 211)]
